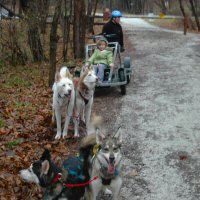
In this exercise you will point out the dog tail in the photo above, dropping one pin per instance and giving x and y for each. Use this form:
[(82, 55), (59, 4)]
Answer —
[(86, 146), (88, 142), (96, 121)]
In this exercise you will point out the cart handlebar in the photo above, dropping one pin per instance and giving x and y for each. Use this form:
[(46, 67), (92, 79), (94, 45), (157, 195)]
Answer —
[(93, 37)]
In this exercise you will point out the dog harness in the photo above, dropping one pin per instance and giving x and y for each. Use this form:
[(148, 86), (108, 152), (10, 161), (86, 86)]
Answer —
[(84, 99), (75, 179)]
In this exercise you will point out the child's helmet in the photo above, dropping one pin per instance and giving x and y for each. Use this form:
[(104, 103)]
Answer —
[(116, 13), (102, 39)]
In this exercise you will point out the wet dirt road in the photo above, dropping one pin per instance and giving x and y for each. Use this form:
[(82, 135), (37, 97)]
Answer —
[(160, 115)]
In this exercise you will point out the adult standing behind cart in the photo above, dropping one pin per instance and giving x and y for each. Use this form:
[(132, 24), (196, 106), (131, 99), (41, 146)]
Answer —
[(114, 27)]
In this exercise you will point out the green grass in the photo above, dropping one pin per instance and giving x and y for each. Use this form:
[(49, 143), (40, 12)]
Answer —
[(24, 106), (14, 143), (16, 80)]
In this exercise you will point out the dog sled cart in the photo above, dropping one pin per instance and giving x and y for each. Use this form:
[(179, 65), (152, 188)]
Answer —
[(121, 74)]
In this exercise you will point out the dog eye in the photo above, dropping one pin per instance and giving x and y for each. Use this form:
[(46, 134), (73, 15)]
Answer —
[(106, 149), (63, 85), (115, 149)]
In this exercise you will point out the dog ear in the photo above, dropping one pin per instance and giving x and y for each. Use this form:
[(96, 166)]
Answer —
[(45, 167), (57, 76), (118, 135), (46, 155), (99, 136), (68, 74)]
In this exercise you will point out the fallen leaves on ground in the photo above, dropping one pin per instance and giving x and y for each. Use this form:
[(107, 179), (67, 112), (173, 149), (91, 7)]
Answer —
[(26, 129)]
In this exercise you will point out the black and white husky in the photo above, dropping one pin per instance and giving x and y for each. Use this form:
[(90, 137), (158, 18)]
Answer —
[(105, 162), (84, 98), (63, 100), (66, 183)]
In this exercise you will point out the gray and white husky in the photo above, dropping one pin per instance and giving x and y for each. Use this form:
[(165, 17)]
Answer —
[(84, 98), (63, 100), (105, 163)]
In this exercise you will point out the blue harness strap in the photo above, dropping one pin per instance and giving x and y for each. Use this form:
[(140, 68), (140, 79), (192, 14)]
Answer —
[(74, 166)]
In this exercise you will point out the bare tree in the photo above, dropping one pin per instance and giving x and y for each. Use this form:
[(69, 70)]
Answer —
[(66, 19), (43, 12), (192, 3), (79, 29), (185, 18), (30, 9), (91, 11), (53, 42), (161, 4)]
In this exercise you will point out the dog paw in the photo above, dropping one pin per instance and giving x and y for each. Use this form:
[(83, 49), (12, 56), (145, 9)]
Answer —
[(65, 136), (76, 135), (58, 136)]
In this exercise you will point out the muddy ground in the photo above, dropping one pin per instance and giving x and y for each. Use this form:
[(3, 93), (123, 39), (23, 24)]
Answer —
[(160, 115)]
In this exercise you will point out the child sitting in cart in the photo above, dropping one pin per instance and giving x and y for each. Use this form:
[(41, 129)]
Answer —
[(101, 58)]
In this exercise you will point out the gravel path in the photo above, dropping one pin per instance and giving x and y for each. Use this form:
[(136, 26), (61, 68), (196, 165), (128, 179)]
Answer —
[(160, 115)]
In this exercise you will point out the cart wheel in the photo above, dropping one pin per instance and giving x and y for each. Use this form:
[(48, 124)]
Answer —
[(121, 75), (123, 89), (127, 62), (128, 77)]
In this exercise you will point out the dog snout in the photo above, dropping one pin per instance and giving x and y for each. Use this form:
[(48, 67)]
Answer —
[(112, 158), (69, 91)]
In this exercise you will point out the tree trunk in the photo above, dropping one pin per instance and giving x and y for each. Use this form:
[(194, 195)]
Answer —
[(195, 14), (79, 29), (66, 30), (53, 42), (35, 43), (161, 5), (44, 11), (185, 20), (30, 9)]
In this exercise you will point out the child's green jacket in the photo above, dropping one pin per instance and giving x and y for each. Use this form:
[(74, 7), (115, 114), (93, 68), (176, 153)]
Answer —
[(102, 57)]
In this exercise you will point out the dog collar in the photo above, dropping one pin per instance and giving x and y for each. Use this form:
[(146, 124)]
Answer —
[(57, 178)]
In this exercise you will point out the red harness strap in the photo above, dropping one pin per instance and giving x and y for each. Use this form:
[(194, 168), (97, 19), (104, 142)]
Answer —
[(68, 185), (57, 178), (81, 184)]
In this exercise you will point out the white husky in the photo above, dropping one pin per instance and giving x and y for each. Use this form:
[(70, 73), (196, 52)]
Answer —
[(84, 98), (63, 100)]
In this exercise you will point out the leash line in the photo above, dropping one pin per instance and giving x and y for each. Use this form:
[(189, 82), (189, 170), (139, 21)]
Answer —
[(81, 184)]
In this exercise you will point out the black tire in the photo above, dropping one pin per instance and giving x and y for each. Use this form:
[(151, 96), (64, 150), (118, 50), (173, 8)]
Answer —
[(121, 75), (123, 89), (127, 62), (128, 77), (122, 79)]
